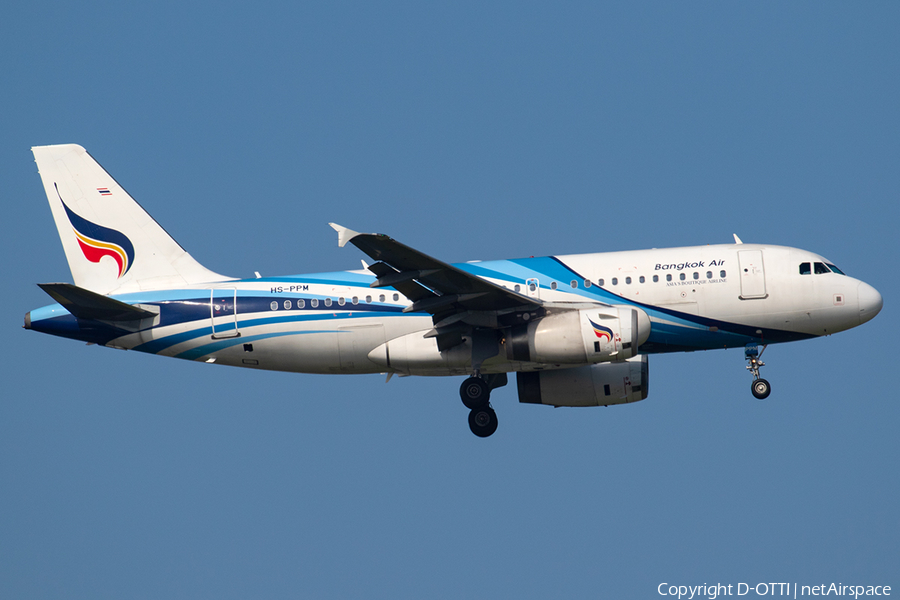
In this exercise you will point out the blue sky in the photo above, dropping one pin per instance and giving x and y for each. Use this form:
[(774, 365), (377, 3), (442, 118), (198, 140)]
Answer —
[(469, 132)]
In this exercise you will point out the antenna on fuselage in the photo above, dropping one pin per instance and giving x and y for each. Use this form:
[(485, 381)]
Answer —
[(737, 240)]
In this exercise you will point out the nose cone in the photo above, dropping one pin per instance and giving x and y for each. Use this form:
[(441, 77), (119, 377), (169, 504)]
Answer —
[(870, 302)]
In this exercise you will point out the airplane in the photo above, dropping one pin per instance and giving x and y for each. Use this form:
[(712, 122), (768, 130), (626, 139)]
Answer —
[(576, 330)]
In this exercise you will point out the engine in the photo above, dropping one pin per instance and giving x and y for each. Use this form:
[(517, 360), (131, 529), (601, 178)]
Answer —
[(592, 385), (593, 335)]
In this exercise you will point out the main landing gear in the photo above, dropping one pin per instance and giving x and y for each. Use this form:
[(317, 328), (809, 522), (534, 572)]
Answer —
[(475, 393), (760, 387)]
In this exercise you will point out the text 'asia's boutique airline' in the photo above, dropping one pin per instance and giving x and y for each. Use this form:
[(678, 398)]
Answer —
[(576, 330)]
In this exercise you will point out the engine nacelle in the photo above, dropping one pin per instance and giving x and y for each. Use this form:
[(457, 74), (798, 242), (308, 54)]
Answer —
[(592, 385), (590, 335)]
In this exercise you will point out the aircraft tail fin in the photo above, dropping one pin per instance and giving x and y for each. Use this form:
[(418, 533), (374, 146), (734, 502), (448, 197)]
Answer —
[(110, 241)]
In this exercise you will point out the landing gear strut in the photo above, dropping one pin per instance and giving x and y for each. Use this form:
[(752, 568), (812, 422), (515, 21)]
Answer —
[(760, 387), (475, 393)]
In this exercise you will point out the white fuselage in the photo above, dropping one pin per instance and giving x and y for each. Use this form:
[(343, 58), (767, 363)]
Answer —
[(698, 297)]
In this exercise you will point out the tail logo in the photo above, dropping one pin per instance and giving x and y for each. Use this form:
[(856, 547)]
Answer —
[(602, 332), (97, 241)]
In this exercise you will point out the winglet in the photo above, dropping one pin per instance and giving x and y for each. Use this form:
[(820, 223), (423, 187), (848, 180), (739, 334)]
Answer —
[(737, 240), (344, 234)]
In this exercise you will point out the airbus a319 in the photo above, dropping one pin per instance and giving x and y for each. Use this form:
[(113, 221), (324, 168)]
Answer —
[(576, 330)]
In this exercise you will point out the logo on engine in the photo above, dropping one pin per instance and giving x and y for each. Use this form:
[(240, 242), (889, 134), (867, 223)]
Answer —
[(601, 331)]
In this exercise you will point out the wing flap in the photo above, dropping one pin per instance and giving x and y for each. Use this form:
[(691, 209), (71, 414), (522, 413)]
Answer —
[(402, 282)]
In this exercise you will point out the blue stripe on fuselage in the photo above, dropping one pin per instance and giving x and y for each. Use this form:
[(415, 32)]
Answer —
[(158, 345), (679, 331), (200, 351)]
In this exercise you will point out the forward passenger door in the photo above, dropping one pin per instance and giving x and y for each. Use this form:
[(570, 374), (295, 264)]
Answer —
[(753, 276)]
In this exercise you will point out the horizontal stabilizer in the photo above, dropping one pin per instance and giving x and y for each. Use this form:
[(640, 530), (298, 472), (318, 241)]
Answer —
[(86, 304)]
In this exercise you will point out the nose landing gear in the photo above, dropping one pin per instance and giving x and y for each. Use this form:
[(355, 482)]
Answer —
[(760, 387)]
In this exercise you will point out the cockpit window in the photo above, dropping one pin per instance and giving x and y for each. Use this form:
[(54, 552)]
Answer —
[(804, 269), (834, 269), (821, 268)]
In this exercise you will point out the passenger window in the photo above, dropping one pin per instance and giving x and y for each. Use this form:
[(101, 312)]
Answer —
[(600, 282), (656, 279), (821, 268), (355, 300), (834, 269), (804, 269), (381, 297), (615, 281), (709, 274), (682, 276), (287, 305), (396, 297), (314, 302), (722, 274), (696, 275), (552, 285), (368, 299), (628, 280), (574, 284), (642, 280), (327, 301), (518, 288), (587, 283), (341, 301), (301, 303), (669, 277), (274, 305)]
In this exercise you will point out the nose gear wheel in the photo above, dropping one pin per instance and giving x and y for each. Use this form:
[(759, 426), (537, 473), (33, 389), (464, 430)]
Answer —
[(760, 387)]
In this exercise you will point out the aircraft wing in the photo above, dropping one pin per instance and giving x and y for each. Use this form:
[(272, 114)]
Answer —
[(436, 287)]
